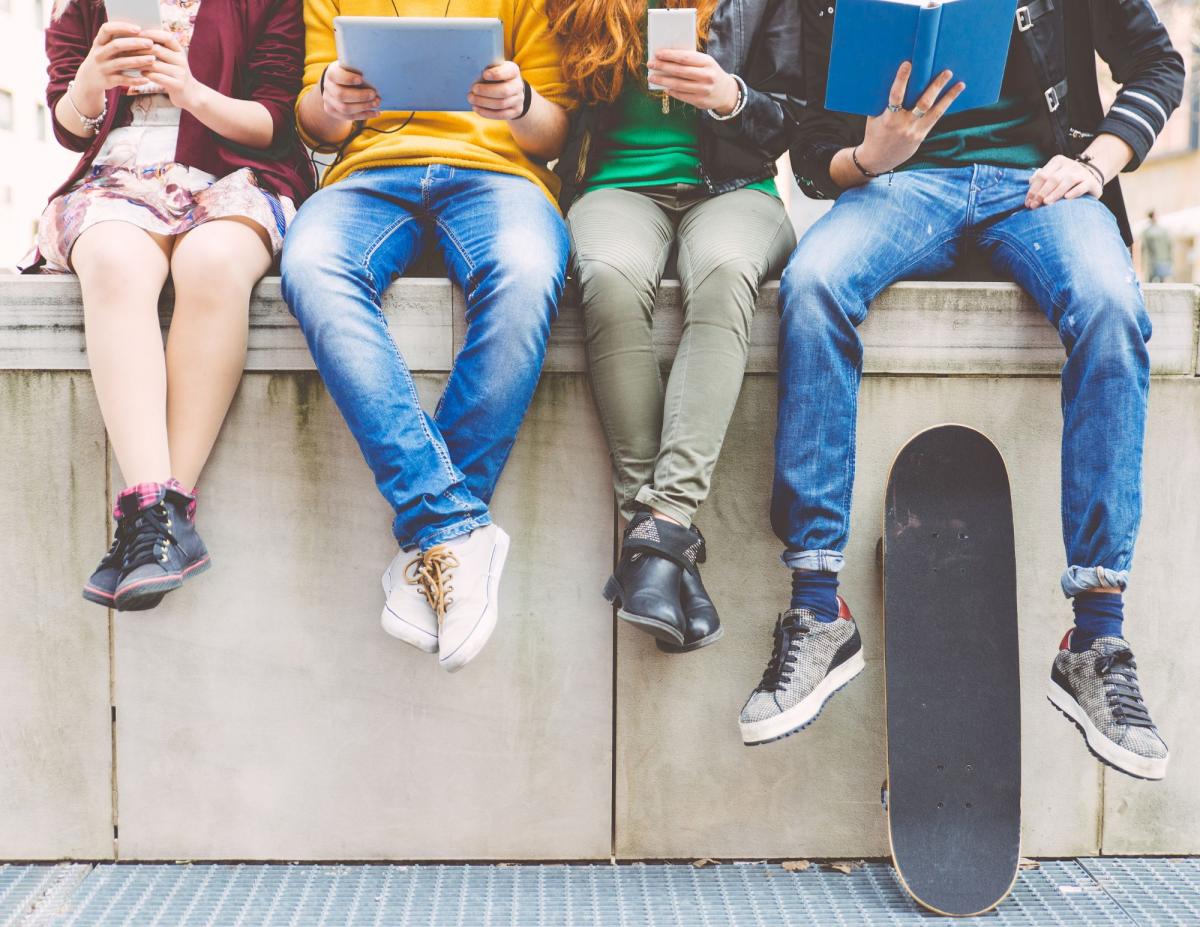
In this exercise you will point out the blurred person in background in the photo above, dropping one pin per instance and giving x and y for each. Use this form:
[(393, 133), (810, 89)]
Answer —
[(1158, 251)]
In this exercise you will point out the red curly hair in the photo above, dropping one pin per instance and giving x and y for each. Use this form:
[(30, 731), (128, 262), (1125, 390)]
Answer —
[(604, 41)]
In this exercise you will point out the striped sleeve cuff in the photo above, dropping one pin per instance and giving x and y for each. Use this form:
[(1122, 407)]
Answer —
[(1137, 118)]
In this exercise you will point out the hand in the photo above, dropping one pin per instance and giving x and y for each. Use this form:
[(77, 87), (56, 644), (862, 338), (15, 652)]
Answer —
[(894, 137), (1062, 178), (347, 96), (695, 78), (500, 93), (118, 47), (171, 70)]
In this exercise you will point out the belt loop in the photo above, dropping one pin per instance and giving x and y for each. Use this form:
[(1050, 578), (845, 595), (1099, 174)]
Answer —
[(1024, 20)]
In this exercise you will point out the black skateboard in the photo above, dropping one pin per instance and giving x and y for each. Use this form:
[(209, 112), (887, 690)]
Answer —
[(953, 705)]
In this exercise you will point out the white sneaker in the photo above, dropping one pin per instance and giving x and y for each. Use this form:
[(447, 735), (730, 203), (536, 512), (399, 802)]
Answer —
[(407, 614), (465, 576)]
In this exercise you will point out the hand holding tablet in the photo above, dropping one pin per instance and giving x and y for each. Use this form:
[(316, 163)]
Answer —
[(421, 64)]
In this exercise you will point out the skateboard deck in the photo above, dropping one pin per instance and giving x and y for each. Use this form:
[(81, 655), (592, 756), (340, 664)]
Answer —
[(951, 668)]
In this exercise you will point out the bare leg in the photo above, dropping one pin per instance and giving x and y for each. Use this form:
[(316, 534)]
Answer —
[(122, 269), (214, 266)]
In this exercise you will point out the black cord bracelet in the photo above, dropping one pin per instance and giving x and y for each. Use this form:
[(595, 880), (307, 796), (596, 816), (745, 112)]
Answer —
[(862, 170), (321, 83), (528, 101), (1086, 161)]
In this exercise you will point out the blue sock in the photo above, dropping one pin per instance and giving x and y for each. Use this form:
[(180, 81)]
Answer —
[(816, 591), (1097, 614)]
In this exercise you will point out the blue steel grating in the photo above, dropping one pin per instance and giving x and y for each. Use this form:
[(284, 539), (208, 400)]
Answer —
[(1059, 894), (1153, 891)]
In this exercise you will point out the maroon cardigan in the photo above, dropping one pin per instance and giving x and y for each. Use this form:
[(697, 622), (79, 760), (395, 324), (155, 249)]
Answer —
[(247, 49)]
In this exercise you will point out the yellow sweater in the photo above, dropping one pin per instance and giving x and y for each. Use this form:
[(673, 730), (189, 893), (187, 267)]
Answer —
[(458, 139)]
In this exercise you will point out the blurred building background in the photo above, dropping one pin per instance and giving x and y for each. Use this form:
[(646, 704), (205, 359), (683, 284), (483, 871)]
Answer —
[(34, 164)]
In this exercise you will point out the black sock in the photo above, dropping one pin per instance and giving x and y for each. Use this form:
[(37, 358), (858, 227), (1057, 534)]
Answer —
[(1097, 614), (816, 591)]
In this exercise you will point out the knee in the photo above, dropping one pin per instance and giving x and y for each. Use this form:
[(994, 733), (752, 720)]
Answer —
[(311, 268), (728, 287), (814, 289), (211, 270), (1107, 312), (612, 296)]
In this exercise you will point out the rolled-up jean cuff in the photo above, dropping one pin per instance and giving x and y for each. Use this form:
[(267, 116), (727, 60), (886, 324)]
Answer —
[(826, 561), (428, 539), (1083, 579)]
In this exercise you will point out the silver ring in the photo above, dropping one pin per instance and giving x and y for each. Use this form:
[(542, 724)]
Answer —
[(893, 108), (919, 113)]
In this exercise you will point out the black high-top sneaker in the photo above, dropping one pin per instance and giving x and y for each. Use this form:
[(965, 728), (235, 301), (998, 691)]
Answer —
[(646, 587), (164, 549), (101, 587), (702, 624)]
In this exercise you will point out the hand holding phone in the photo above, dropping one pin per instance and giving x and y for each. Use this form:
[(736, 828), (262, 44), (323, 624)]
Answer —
[(144, 14), (675, 29)]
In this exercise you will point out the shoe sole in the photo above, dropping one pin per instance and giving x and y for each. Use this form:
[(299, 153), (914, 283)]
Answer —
[(694, 645), (806, 711), (108, 600), (1103, 749), (159, 586), (469, 649), (659, 630), (412, 634)]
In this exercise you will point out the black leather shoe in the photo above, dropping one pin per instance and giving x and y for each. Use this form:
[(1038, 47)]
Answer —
[(163, 550), (646, 587), (703, 625)]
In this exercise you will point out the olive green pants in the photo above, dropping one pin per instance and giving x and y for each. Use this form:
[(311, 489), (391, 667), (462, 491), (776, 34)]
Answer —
[(664, 440)]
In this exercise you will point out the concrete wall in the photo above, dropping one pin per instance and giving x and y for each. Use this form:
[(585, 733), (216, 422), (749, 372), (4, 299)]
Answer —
[(260, 713)]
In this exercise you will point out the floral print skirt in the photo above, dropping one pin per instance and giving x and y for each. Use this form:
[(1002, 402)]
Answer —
[(167, 199)]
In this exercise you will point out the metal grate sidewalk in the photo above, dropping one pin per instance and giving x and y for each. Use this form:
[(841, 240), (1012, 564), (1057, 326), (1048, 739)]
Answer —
[(1062, 893)]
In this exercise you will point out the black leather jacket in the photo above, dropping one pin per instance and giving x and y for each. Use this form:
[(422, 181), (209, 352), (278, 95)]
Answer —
[(758, 40), (1060, 39)]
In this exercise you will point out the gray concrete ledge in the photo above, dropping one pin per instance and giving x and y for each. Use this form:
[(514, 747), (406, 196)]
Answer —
[(261, 713), (914, 328)]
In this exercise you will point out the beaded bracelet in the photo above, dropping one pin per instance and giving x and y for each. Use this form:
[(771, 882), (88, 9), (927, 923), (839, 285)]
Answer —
[(94, 123)]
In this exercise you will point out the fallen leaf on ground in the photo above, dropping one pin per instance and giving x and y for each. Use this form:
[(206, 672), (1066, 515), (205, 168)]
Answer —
[(845, 866), (795, 865), (1028, 864), (701, 863)]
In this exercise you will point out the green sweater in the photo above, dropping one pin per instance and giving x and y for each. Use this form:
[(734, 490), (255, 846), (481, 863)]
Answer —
[(644, 147), (1009, 133)]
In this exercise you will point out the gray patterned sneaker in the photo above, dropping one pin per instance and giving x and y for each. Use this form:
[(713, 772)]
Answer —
[(1098, 690), (811, 661)]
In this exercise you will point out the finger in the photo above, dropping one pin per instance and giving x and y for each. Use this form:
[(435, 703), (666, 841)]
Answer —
[(900, 84), (506, 71), (682, 56), (362, 99), (131, 63), (680, 71), (929, 98), (498, 91), (118, 47), (1039, 181), (671, 83), (116, 29), (1061, 185), (343, 76), (493, 105), (947, 100), (1083, 188)]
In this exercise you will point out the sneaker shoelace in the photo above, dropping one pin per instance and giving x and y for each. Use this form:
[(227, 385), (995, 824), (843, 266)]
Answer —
[(116, 553), (149, 537), (788, 634), (1119, 674), (432, 572)]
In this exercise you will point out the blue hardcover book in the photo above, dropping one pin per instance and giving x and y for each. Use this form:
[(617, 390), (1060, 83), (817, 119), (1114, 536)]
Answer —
[(871, 38)]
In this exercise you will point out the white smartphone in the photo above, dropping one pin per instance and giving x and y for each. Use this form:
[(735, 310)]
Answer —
[(143, 13), (670, 29)]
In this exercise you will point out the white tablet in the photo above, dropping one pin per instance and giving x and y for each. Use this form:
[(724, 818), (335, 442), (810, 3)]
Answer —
[(416, 63)]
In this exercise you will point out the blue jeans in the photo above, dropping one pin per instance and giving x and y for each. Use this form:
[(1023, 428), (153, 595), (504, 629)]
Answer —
[(505, 244), (1069, 257)]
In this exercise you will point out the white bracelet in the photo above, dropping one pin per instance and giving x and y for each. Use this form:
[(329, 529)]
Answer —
[(95, 123), (743, 93)]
